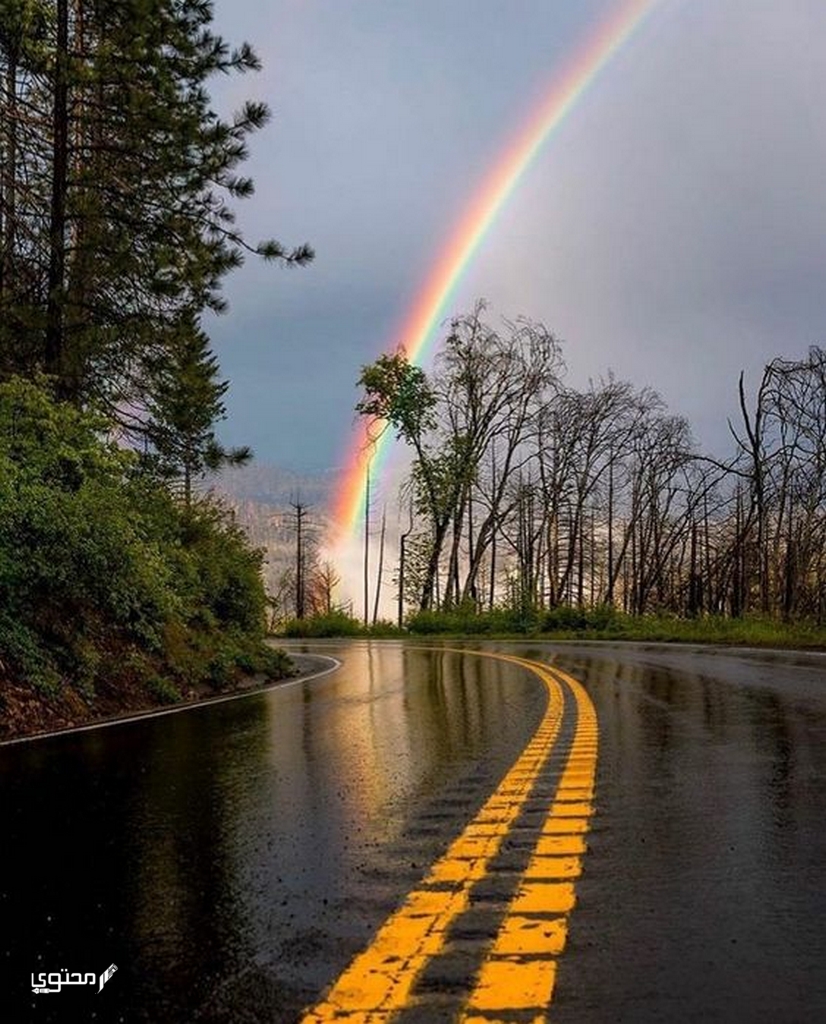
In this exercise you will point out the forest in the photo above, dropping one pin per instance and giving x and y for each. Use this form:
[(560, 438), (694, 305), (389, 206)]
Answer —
[(529, 494), (117, 184)]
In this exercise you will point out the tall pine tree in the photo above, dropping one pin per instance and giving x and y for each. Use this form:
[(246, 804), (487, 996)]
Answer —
[(186, 403), (116, 184)]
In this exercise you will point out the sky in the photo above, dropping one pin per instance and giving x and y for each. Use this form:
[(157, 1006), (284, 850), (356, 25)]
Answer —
[(672, 230)]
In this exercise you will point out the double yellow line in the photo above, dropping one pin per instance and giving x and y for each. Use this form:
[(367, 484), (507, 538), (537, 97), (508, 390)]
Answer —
[(519, 970)]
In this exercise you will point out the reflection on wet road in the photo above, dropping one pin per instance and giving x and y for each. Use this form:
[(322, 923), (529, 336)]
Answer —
[(479, 937), (231, 860), (235, 859), (704, 897)]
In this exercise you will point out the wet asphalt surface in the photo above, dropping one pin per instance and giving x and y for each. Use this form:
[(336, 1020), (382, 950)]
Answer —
[(230, 860)]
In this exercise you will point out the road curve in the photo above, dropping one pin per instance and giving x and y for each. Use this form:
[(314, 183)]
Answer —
[(253, 861), (432, 958)]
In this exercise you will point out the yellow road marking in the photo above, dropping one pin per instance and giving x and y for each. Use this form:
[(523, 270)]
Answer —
[(549, 846), (543, 898), (553, 867), (521, 969), (514, 984), (378, 981), (530, 935), (519, 972)]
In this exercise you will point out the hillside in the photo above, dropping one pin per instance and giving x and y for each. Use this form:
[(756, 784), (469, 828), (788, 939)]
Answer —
[(262, 497)]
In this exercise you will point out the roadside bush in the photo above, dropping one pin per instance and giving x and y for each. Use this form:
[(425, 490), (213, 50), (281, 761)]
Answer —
[(564, 618), (162, 690), (101, 568), (385, 628), (465, 620), (335, 623), (426, 623)]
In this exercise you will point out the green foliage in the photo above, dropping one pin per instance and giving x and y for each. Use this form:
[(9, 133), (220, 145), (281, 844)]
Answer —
[(162, 690), (118, 227), (384, 628), (399, 393), (564, 617), (221, 574), (335, 623), (265, 660), (186, 402), (142, 230), (466, 621), (102, 571), (750, 631), (606, 623)]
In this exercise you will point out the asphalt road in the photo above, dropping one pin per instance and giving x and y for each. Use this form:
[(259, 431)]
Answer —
[(234, 861)]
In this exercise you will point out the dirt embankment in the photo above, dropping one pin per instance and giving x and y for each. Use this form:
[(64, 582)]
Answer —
[(27, 711)]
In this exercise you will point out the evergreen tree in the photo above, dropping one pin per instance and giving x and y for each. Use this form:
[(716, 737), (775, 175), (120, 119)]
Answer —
[(187, 401), (116, 179)]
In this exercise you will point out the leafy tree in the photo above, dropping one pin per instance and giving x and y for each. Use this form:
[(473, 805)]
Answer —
[(117, 184), (484, 397), (397, 393)]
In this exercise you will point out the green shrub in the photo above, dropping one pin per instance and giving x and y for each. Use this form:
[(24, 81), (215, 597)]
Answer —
[(564, 618), (603, 617), (101, 569), (335, 623), (271, 661), (164, 691), (426, 623), (222, 669), (385, 628), (21, 647), (466, 621)]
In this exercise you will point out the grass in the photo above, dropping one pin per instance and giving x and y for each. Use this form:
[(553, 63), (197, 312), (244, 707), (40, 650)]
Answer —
[(744, 632), (336, 624), (574, 624)]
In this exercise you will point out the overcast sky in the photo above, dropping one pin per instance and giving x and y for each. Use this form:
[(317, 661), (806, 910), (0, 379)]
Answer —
[(673, 229)]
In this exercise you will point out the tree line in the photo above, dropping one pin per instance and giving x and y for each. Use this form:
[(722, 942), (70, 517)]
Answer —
[(116, 222), (118, 181), (529, 493)]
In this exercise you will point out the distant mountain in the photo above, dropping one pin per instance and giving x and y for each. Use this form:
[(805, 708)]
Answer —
[(269, 485), (262, 497)]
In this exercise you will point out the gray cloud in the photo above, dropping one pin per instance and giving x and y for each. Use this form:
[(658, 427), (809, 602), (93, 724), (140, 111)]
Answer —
[(674, 228)]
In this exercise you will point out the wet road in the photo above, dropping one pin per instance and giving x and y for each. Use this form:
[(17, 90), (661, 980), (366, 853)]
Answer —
[(233, 860)]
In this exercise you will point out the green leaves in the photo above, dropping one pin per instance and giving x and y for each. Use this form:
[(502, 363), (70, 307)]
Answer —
[(148, 227), (398, 392), (100, 567), (117, 180)]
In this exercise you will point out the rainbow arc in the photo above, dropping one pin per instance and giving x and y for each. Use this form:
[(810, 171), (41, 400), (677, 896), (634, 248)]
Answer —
[(432, 303)]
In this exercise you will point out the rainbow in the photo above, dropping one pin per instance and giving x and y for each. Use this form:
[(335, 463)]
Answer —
[(419, 328)]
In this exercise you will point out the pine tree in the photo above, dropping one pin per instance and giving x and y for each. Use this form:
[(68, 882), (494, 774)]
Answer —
[(116, 179), (187, 401)]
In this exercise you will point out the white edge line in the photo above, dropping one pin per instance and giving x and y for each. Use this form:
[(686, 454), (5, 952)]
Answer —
[(189, 706)]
